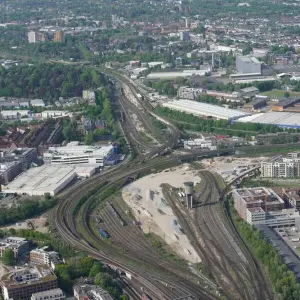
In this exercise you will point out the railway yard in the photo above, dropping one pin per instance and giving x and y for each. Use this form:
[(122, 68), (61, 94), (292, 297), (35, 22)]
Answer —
[(92, 218)]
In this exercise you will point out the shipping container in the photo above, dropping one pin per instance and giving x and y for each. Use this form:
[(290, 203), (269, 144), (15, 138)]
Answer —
[(296, 240)]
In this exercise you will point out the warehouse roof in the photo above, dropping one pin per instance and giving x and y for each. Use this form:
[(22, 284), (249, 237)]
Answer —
[(41, 180), (204, 109), (282, 119), (250, 89)]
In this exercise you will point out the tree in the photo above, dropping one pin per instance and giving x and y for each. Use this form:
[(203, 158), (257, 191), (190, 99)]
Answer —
[(96, 269), (8, 257), (104, 280)]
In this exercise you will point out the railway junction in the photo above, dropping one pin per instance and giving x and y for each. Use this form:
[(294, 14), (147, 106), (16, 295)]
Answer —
[(234, 273)]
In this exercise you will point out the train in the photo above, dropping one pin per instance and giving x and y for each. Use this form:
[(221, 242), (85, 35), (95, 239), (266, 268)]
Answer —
[(103, 233), (146, 297)]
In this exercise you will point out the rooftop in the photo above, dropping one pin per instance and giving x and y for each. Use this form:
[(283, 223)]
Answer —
[(48, 293), (204, 109)]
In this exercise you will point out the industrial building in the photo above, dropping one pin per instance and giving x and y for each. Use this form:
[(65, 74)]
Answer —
[(249, 92), (287, 104), (22, 283), (204, 109), (38, 181), (247, 65), (90, 292), (263, 206), (281, 119), (201, 143), (282, 167), (74, 153), (186, 92), (257, 103), (18, 245), (173, 75), (54, 294)]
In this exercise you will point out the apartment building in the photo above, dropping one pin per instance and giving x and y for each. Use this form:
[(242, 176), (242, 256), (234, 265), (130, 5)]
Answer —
[(186, 92), (18, 245), (282, 167), (55, 294), (22, 283), (263, 206), (42, 256), (93, 292), (9, 170)]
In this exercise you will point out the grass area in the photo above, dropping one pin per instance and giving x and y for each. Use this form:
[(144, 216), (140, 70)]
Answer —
[(254, 182), (145, 137), (164, 249), (279, 93)]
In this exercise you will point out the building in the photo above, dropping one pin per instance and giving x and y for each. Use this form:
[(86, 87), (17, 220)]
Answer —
[(38, 181), (59, 36), (204, 109), (89, 96), (37, 103), (73, 153), (287, 104), (93, 292), (54, 294), (42, 257), (22, 283), (184, 35), (173, 75), (26, 156), (201, 143), (185, 92), (18, 245), (291, 196), (9, 170), (257, 103), (247, 65), (35, 37), (280, 119), (249, 92), (282, 167), (263, 206), (15, 114)]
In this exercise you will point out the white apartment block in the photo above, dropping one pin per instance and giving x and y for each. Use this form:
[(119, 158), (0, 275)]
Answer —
[(54, 294), (41, 256), (280, 167)]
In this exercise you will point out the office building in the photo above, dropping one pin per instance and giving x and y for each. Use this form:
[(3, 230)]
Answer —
[(18, 245), (55, 294), (184, 35), (263, 206), (282, 167), (59, 36), (86, 292), (43, 257), (74, 153), (22, 283), (247, 65), (185, 92), (9, 170), (291, 196)]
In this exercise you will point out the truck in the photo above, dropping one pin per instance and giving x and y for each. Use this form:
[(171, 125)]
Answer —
[(103, 233), (296, 240)]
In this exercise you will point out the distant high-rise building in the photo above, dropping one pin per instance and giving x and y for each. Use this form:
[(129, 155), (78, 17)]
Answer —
[(59, 36), (184, 35), (33, 37), (114, 20)]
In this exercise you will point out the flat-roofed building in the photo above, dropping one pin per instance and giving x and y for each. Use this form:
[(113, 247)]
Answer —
[(83, 292), (41, 256), (9, 170), (263, 206), (18, 245), (22, 283), (54, 294), (74, 153)]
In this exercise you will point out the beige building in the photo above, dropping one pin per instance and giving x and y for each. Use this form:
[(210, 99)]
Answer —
[(55, 294), (59, 36)]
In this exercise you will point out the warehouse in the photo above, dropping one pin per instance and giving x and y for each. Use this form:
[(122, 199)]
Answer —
[(204, 109), (173, 75), (281, 119), (47, 179)]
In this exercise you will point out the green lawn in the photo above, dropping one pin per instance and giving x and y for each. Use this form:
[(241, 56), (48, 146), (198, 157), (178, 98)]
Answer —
[(279, 93)]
